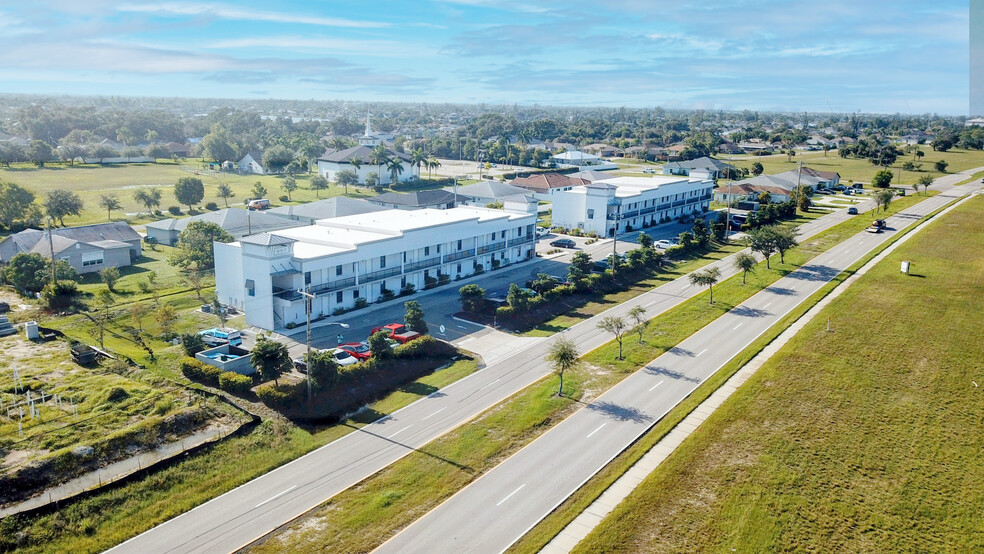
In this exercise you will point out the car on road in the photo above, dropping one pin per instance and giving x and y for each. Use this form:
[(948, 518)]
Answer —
[(564, 243), (663, 244), (218, 337), (873, 229), (358, 350), (852, 211), (396, 331), (649, 170), (880, 223)]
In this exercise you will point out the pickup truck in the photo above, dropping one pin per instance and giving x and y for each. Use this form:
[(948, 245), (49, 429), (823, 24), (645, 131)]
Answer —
[(397, 332)]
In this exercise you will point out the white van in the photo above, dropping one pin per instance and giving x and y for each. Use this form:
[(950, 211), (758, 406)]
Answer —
[(258, 204)]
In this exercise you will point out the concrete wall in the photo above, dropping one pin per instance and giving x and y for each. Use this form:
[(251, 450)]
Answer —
[(239, 365)]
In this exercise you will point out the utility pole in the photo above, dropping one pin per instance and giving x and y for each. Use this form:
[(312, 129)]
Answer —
[(307, 360), (51, 247)]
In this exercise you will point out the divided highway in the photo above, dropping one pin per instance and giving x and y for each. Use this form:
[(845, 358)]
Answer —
[(256, 508), (498, 508)]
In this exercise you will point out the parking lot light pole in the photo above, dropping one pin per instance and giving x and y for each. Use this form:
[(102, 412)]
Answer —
[(307, 358)]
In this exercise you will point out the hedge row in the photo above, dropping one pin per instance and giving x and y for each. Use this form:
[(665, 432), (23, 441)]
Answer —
[(229, 381)]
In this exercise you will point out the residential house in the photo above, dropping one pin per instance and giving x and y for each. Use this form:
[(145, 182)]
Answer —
[(252, 162), (544, 185), (576, 158), (235, 221), (703, 164), (486, 192), (416, 200), (332, 162), (323, 209), (88, 248)]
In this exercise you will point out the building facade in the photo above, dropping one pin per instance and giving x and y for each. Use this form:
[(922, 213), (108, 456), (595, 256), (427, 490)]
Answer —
[(88, 248), (347, 261), (623, 204)]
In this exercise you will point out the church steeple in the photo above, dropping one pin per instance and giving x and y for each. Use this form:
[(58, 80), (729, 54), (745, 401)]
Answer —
[(368, 139)]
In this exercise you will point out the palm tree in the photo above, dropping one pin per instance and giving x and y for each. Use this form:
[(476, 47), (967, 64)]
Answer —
[(378, 157), (356, 163), (270, 358), (563, 356), (744, 262), (395, 167), (418, 158), (432, 163), (706, 278)]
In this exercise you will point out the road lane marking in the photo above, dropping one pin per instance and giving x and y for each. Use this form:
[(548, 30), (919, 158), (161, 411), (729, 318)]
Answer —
[(276, 496), (701, 352), (737, 326), (510, 494), (435, 413), (400, 431), (596, 430), (654, 386), (490, 384), (767, 305)]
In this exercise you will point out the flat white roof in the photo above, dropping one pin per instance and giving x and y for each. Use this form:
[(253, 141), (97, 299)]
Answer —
[(634, 186)]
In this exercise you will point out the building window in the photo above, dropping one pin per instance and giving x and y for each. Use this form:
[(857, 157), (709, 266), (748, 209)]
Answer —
[(307, 277), (403, 282), (438, 248), (338, 270), (382, 262), (404, 257), (355, 294), (250, 287), (427, 250), (92, 258), (590, 214), (459, 244), (502, 235), (459, 268), (338, 297), (519, 231)]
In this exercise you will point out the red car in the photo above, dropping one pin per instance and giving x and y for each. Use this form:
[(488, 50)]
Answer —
[(358, 350), (397, 332)]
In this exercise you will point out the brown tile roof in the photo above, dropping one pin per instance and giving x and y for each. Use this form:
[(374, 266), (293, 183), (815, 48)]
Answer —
[(543, 182)]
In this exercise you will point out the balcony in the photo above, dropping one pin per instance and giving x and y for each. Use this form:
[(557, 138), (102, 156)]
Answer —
[(664, 207), (679, 203), (324, 288), (423, 264), (627, 215), (459, 255), (491, 247), (645, 211), (520, 240), (379, 274), (286, 294)]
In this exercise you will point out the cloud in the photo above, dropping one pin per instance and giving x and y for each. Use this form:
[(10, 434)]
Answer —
[(370, 47), (223, 11)]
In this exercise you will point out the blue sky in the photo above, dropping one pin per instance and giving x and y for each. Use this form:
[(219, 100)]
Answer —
[(830, 55)]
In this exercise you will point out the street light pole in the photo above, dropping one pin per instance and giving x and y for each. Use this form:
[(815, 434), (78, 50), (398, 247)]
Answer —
[(307, 360)]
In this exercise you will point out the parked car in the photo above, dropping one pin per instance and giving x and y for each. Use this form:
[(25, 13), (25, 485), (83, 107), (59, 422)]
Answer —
[(900, 191), (663, 244), (601, 265), (838, 187), (258, 204), (852, 211), (649, 170), (342, 358), (218, 337), (847, 192), (564, 243), (359, 350), (396, 331), (542, 232)]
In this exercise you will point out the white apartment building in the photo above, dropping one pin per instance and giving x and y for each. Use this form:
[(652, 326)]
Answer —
[(630, 203), (344, 259)]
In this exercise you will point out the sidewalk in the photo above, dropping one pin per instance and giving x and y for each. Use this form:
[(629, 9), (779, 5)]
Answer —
[(592, 516)]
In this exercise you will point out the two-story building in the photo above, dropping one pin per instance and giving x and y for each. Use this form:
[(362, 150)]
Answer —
[(345, 261), (623, 204)]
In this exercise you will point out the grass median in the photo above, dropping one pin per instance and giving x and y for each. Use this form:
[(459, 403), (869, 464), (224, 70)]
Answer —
[(866, 438)]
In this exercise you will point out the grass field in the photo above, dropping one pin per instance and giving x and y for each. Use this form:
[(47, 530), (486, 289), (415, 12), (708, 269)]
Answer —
[(866, 438)]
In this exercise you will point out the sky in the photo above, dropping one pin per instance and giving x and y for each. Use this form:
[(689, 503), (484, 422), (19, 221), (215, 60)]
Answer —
[(791, 55)]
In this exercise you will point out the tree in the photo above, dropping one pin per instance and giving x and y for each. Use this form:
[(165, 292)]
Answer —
[(276, 158), (706, 278), (372, 179), (271, 359), (563, 357), (39, 153), (638, 316), (196, 282), (26, 271), (356, 163), (110, 276), (925, 180), (762, 240), (318, 184), (432, 163), (217, 146), (472, 298), (803, 202), (942, 144), (61, 203), (616, 326), (195, 245), (192, 343), (105, 299), (764, 198), (158, 151), (259, 191), (165, 316), (395, 168), (784, 238), (110, 202), (645, 240), (418, 158), (347, 177), (189, 190), (379, 346), (16, 204), (882, 179), (518, 299), (414, 318), (378, 157), (151, 198), (289, 185), (323, 369), (941, 166), (745, 262), (225, 193), (138, 311), (60, 296), (884, 199), (701, 234)]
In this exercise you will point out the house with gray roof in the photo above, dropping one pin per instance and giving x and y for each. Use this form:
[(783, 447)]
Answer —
[(252, 162), (333, 162), (416, 200), (486, 192), (325, 209), (235, 221), (704, 164), (88, 248)]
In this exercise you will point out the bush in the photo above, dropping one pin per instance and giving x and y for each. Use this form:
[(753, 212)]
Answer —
[(235, 383), (283, 396), (283, 198), (424, 347), (62, 296), (174, 210), (408, 290), (211, 206), (199, 372), (360, 303), (192, 343), (675, 252)]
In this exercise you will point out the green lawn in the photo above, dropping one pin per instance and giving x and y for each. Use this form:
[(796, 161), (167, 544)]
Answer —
[(865, 438)]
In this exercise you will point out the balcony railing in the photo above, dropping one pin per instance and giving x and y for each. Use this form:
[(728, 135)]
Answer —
[(379, 274), (324, 288), (633, 213), (645, 211), (491, 247), (679, 203), (520, 240), (459, 255), (662, 207), (423, 264), (286, 294)]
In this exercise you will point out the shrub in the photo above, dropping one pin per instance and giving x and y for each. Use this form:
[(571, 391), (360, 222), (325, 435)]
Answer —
[(496, 263), (424, 347), (290, 325), (211, 206), (576, 233), (479, 269), (360, 303), (202, 373), (235, 383), (192, 343), (283, 396), (675, 252), (174, 210), (283, 198), (431, 282), (408, 290), (62, 295)]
